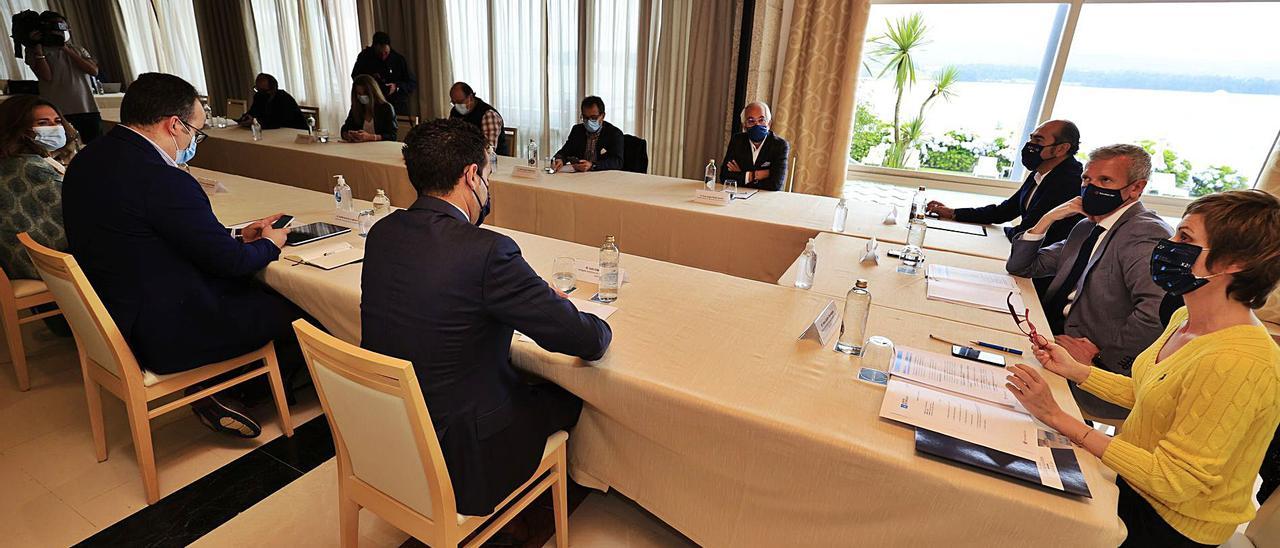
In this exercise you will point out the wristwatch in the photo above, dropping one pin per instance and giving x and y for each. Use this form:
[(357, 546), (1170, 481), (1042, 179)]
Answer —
[(1097, 360)]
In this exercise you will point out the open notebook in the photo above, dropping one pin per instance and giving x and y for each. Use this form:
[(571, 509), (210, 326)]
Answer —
[(968, 401), (327, 255), (987, 290)]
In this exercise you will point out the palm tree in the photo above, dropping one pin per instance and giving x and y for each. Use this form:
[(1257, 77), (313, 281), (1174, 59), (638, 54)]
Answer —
[(895, 50)]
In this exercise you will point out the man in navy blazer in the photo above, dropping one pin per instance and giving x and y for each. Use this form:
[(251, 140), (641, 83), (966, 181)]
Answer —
[(757, 157), (1054, 179), (175, 281), (445, 294)]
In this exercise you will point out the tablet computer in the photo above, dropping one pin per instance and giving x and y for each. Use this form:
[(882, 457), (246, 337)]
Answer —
[(312, 232)]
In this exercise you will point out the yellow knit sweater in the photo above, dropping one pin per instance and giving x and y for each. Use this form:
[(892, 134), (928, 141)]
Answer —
[(1199, 427)]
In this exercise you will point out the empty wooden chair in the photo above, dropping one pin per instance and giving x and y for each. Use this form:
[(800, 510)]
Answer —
[(106, 361), (236, 108), (389, 460), (509, 144), (16, 296), (313, 112), (404, 123)]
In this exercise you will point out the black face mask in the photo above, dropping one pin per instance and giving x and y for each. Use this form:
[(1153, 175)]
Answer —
[(1098, 201), (487, 206), (1171, 264), (1031, 156)]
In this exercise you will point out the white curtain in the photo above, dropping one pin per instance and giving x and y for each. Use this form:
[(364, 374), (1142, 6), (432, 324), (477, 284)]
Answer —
[(562, 93), (160, 36), (467, 25), (310, 47), (12, 67), (613, 57), (518, 70)]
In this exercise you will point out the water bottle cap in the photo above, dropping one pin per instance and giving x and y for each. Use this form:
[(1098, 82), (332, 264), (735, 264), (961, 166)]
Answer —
[(860, 284)]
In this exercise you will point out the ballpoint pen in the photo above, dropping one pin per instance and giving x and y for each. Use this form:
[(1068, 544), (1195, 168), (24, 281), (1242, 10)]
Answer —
[(937, 338), (1013, 351)]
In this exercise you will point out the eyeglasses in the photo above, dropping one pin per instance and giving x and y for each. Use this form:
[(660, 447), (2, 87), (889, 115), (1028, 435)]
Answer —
[(200, 135), (756, 121), (1024, 321)]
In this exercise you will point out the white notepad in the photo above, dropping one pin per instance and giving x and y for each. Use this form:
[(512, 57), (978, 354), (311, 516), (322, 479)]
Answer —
[(327, 255), (974, 288)]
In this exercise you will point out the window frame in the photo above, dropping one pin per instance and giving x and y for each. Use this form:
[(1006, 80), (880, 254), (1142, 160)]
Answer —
[(1165, 205)]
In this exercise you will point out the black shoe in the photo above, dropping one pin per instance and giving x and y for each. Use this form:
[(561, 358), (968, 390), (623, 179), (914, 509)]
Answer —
[(226, 416)]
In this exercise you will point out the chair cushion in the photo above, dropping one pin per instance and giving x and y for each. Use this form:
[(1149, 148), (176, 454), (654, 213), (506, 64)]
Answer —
[(27, 288)]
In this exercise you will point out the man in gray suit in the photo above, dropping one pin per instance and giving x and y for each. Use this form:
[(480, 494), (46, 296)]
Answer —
[(1102, 305)]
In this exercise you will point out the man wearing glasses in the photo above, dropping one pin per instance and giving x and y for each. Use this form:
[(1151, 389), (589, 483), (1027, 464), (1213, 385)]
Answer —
[(178, 285), (757, 157), (593, 145)]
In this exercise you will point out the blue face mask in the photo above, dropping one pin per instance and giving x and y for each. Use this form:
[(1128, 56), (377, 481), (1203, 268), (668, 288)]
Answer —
[(757, 133), (1098, 201), (185, 155), (51, 137), (592, 125), (1171, 264)]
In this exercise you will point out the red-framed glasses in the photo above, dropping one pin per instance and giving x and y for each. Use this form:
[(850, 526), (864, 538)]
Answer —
[(1024, 320)]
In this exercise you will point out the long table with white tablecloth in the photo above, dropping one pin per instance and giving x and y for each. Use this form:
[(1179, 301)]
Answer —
[(709, 412)]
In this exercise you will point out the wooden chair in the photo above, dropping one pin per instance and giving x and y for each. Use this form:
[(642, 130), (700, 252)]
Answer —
[(314, 112), (15, 296), (404, 123), (510, 142), (236, 108), (106, 361), (389, 460), (791, 172), (1263, 531)]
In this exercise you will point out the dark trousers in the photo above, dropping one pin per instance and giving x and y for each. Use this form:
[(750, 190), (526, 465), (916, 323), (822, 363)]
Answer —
[(1146, 527), (88, 124)]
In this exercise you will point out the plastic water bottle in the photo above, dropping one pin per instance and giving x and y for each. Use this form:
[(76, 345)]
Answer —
[(842, 215), (808, 266), (493, 158), (918, 204), (311, 125), (257, 130), (913, 253), (381, 204), (609, 279), (853, 330), (532, 153), (709, 176), (342, 196), (208, 115)]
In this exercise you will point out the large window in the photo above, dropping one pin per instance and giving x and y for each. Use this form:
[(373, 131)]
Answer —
[(310, 47), (1196, 83), (160, 36)]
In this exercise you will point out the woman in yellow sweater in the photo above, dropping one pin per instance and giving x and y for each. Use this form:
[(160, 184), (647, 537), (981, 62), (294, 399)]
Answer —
[(1205, 397)]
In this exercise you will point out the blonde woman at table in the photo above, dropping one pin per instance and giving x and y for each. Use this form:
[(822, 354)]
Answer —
[(371, 118), (1205, 397)]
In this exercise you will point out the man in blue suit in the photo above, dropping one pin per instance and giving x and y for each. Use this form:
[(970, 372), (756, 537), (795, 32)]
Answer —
[(175, 281), (445, 294)]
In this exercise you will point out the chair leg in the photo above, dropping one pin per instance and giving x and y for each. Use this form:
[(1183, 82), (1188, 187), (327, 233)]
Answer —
[(140, 425), (93, 396), (277, 393), (17, 354), (560, 499), (348, 521)]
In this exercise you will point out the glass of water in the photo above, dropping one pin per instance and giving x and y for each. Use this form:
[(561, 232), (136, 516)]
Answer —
[(730, 186), (913, 253), (565, 273), (366, 222)]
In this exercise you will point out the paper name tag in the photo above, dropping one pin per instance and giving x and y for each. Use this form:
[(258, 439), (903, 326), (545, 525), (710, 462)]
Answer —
[(343, 215), (525, 172), (590, 272), (712, 197), (211, 186), (304, 139), (824, 326)]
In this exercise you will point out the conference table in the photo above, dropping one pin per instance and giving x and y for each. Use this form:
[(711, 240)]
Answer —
[(650, 215), (104, 101), (710, 413)]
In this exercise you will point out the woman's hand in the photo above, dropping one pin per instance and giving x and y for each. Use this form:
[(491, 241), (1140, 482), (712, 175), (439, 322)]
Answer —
[(1031, 389), (1056, 358)]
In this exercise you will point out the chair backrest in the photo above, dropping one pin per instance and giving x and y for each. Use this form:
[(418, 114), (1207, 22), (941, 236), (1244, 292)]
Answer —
[(635, 154), (404, 124), (236, 108), (1264, 530), (96, 333), (381, 428), (111, 87), (508, 141), (313, 112)]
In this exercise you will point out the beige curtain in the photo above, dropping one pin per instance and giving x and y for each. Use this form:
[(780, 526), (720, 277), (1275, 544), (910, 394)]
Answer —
[(689, 85), (228, 43), (814, 109), (417, 29), (95, 26)]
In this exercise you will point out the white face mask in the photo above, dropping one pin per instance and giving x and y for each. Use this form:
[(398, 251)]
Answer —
[(51, 137), (364, 99)]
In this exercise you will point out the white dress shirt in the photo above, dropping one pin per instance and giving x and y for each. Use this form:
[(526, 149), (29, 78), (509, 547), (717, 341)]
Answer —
[(1106, 223)]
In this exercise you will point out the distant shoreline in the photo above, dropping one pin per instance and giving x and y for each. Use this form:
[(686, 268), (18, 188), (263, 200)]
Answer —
[(1014, 74)]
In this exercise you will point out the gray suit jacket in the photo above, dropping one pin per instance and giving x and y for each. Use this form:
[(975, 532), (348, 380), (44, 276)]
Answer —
[(1117, 306)]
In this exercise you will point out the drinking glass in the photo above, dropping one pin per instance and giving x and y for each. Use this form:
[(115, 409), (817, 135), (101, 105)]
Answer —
[(565, 273)]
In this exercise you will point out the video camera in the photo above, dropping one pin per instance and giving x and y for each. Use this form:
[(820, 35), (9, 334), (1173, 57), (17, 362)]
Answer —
[(30, 29)]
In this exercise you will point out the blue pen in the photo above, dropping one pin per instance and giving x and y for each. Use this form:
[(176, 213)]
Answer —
[(1013, 351)]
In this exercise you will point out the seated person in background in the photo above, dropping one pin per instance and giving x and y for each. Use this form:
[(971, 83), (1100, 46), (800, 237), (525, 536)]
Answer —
[(1205, 395), (179, 287), (593, 145), (371, 118), (1101, 304), (272, 106), (474, 111), (757, 157), (30, 181), (1050, 156), (445, 294)]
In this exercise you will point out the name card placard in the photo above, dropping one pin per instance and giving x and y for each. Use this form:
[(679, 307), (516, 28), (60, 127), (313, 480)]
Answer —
[(304, 139), (824, 326), (712, 197), (211, 186), (344, 216), (525, 172)]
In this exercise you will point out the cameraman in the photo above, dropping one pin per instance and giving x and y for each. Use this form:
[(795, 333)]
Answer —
[(65, 72)]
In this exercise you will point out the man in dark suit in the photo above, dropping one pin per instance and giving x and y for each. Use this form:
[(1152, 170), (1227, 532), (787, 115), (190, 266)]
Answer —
[(1101, 304), (1049, 155), (177, 284), (389, 69), (593, 145), (445, 294), (757, 157)]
